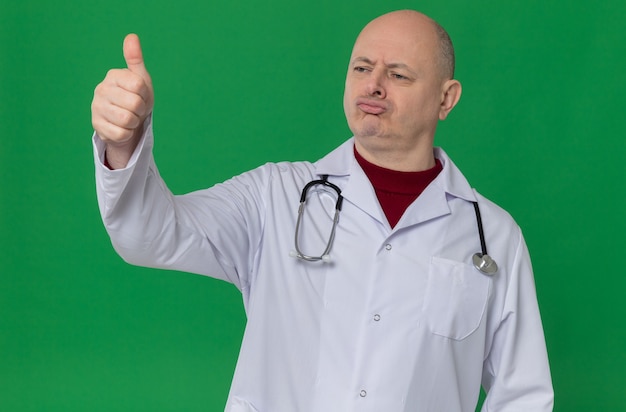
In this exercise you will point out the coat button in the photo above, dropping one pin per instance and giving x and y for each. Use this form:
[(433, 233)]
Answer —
[(377, 317), (388, 246), (363, 394)]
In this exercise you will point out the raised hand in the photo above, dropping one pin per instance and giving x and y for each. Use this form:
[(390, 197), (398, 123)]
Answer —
[(121, 103)]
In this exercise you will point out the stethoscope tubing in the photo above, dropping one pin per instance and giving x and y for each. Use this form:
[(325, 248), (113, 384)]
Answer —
[(481, 260), (325, 256)]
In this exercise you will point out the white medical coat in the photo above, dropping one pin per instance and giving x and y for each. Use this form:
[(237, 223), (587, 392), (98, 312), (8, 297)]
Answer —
[(398, 321)]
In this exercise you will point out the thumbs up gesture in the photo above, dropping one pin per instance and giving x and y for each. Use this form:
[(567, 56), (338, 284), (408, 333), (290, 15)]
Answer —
[(121, 103)]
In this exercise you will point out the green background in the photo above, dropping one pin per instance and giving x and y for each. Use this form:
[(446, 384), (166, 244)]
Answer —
[(539, 130)]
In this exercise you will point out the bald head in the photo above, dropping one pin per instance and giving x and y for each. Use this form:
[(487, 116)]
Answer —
[(421, 29)]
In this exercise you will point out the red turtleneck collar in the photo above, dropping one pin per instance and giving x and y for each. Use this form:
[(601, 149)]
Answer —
[(397, 190)]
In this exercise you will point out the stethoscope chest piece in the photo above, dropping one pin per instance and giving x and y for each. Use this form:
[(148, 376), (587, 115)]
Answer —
[(485, 264)]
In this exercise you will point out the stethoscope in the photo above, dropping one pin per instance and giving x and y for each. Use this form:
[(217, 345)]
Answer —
[(481, 260)]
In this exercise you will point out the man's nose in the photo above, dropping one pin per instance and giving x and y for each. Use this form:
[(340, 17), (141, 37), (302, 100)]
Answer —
[(375, 86)]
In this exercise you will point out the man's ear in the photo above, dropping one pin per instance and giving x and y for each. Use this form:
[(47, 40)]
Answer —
[(451, 93)]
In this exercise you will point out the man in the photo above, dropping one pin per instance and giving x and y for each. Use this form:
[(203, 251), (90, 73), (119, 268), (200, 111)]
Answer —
[(385, 312)]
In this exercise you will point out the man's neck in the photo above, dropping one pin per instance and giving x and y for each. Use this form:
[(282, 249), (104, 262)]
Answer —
[(416, 160)]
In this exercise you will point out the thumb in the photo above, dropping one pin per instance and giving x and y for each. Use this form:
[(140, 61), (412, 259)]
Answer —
[(134, 57)]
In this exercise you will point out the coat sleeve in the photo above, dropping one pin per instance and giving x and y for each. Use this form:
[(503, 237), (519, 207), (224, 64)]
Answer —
[(516, 373), (212, 232)]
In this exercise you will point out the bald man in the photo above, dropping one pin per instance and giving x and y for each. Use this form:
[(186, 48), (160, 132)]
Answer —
[(381, 303)]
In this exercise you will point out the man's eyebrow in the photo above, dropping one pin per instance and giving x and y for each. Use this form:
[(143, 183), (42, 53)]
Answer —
[(398, 65), (362, 59)]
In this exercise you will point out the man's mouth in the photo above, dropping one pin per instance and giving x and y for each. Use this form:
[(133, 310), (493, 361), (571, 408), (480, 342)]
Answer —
[(370, 106)]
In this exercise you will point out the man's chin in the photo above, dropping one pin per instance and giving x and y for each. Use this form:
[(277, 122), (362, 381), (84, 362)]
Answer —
[(369, 131)]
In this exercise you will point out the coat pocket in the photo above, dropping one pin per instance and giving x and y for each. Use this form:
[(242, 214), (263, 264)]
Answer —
[(241, 405), (456, 298)]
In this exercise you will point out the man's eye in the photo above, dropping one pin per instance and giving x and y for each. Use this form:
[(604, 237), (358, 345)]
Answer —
[(399, 76), (361, 69)]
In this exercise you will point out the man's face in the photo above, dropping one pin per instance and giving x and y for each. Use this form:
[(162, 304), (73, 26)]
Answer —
[(394, 87)]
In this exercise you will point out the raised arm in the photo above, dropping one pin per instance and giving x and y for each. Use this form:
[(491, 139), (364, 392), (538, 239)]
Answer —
[(213, 232)]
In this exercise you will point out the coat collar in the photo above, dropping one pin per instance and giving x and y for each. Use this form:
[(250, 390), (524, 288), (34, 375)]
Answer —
[(357, 189)]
